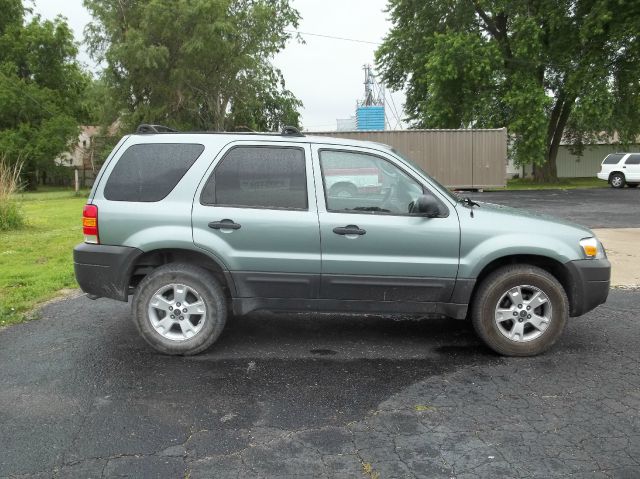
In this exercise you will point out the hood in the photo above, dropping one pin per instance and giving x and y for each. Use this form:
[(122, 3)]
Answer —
[(520, 214)]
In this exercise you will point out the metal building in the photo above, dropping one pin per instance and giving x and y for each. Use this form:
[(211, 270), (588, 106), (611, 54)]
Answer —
[(571, 165), (456, 158)]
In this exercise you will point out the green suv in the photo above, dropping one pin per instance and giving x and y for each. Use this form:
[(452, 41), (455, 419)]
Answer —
[(198, 226)]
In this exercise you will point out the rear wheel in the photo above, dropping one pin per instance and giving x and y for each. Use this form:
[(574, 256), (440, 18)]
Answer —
[(179, 309), (520, 310), (617, 180)]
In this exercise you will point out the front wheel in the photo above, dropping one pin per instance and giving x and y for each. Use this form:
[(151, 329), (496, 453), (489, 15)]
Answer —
[(520, 310), (179, 309)]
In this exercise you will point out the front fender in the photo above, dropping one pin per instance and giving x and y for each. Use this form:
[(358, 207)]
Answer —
[(476, 255)]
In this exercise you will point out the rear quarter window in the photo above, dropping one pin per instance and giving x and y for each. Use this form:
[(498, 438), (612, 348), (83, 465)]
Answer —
[(612, 159), (633, 160), (149, 172)]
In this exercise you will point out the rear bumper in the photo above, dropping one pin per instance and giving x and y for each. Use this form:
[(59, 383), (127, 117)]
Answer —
[(603, 176), (103, 270), (590, 280)]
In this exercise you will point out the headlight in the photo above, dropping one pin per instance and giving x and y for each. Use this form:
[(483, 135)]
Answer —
[(592, 248)]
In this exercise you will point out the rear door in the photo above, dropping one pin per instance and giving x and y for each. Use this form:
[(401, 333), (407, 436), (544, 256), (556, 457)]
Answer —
[(631, 168), (256, 210), (373, 248)]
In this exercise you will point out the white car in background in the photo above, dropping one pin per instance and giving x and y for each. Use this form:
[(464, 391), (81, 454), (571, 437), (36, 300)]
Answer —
[(621, 169)]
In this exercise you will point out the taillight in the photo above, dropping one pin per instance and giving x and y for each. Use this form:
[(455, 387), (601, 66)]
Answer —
[(90, 224)]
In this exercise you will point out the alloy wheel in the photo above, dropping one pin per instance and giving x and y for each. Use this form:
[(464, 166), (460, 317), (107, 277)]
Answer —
[(523, 313), (177, 312)]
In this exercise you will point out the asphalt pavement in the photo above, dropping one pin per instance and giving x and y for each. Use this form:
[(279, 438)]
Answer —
[(595, 208), (311, 395), (318, 396)]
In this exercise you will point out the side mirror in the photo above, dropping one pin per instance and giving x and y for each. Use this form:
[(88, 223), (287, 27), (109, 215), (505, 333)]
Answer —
[(426, 205)]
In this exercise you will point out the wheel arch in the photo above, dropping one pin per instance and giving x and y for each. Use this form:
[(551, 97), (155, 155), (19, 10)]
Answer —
[(614, 172), (552, 266), (150, 260)]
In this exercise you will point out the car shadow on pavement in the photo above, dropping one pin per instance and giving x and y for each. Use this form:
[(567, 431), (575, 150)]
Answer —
[(294, 371)]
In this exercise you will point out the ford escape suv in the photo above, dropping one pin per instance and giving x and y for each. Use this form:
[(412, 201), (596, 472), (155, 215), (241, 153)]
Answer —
[(198, 226)]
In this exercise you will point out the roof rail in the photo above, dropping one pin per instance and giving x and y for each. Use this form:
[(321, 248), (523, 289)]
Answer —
[(290, 131), (144, 128)]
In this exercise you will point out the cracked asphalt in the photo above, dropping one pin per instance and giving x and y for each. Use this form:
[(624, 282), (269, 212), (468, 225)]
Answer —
[(311, 395), (318, 396)]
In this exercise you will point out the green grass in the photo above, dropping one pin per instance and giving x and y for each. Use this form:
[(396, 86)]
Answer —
[(36, 260), (562, 184)]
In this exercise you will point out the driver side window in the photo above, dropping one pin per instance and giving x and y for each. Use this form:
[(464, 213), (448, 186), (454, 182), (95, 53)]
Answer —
[(366, 183)]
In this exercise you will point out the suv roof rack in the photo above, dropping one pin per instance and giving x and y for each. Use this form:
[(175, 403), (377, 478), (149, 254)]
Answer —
[(290, 131), (145, 128)]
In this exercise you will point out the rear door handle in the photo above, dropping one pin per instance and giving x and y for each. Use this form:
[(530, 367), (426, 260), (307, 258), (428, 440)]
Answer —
[(349, 230), (225, 224)]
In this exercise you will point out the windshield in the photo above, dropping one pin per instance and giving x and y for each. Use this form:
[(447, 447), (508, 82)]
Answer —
[(454, 197)]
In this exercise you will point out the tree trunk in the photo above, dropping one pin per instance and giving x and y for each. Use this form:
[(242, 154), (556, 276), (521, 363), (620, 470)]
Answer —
[(548, 172)]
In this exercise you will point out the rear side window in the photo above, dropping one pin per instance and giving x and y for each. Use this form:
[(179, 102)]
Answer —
[(150, 171), (612, 159), (633, 160), (259, 177)]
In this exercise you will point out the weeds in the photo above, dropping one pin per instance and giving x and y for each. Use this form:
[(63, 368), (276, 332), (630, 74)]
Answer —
[(10, 215)]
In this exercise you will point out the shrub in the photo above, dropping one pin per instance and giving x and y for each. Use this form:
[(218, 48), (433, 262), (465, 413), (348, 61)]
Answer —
[(10, 215)]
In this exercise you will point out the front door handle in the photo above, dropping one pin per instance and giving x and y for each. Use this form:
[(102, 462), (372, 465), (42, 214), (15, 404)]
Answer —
[(225, 224), (349, 230)]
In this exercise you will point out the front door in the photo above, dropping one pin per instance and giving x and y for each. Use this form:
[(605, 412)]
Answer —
[(373, 247), (256, 211)]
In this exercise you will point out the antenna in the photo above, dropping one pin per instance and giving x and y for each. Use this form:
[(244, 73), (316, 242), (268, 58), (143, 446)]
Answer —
[(371, 96)]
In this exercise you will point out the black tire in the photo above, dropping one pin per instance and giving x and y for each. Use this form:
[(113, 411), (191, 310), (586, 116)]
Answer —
[(209, 290), (632, 185), (492, 289), (617, 180), (344, 190)]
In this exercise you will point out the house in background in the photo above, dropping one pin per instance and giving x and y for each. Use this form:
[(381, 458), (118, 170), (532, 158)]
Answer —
[(83, 154), (80, 156)]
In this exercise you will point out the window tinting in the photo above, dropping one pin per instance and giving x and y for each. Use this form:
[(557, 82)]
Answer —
[(148, 172), (259, 177), (612, 159), (358, 182), (633, 160)]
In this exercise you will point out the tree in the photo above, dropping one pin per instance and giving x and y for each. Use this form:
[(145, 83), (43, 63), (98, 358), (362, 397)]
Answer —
[(548, 70), (195, 64), (41, 86)]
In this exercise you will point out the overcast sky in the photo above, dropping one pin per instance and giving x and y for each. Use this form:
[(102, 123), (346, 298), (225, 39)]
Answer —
[(324, 73)]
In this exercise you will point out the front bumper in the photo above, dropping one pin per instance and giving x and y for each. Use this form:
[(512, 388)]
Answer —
[(104, 271), (589, 284)]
